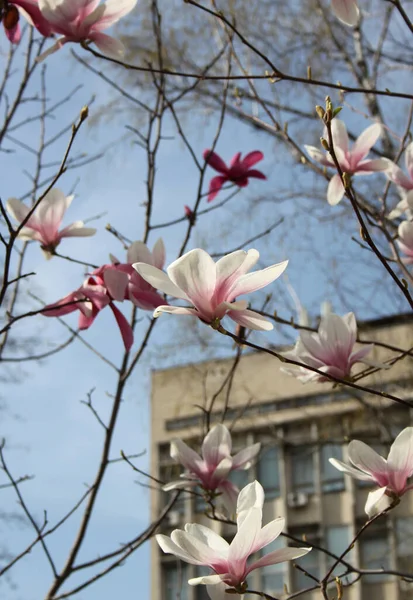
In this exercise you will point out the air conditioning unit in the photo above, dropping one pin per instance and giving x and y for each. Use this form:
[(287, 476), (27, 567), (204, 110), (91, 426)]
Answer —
[(297, 499), (174, 518)]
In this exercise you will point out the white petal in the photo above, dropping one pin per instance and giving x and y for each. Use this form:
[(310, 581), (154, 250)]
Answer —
[(207, 580), (278, 556), (17, 209), (108, 45), (366, 141), (251, 282), (346, 10), (159, 280), (110, 12), (177, 310), (366, 459), (198, 550), (209, 537), (138, 253), (217, 445), (335, 190), (400, 457), (158, 254), (340, 136), (77, 229), (318, 156), (349, 470), (375, 503), (184, 455), (269, 533), (244, 541), (195, 274), (170, 547), (244, 457), (250, 319), (251, 496)]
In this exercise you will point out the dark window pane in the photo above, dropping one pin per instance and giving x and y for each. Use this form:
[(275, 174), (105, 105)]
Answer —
[(331, 478), (302, 469), (175, 582), (375, 554), (268, 473)]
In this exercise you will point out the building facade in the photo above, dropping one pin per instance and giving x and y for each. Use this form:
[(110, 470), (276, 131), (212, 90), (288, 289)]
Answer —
[(300, 427)]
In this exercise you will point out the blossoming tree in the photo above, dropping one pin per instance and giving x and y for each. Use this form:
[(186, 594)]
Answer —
[(234, 71)]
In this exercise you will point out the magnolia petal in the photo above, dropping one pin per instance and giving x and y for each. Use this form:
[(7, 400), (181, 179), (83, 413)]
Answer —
[(177, 310), (17, 209), (400, 459), (340, 136), (367, 167), (184, 455), (335, 190), (251, 496), (159, 280), (179, 484), (108, 45), (396, 175), (190, 544), (251, 159), (244, 541), (215, 186), (215, 161), (269, 533), (158, 254), (218, 591), (250, 319), (318, 156), (408, 158), (209, 537), (255, 174), (346, 10), (138, 252), (77, 229), (170, 547), (229, 495), (365, 142), (60, 42), (217, 445), (195, 274), (124, 327), (278, 556), (366, 459), (113, 10), (251, 282), (243, 458), (374, 500), (207, 580), (116, 283), (349, 470)]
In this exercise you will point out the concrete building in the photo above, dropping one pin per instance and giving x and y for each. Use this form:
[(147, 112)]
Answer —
[(300, 427)]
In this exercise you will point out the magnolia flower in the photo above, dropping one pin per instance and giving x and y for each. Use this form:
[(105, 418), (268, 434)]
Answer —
[(346, 10), (124, 283), (190, 215), (351, 161), (212, 287), (403, 182), (89, 300), (238, 172), (10, 16), (43, 225), (84, 21), (331, 350), (390, 475), (212, 470), (405, 241), (199, 545)]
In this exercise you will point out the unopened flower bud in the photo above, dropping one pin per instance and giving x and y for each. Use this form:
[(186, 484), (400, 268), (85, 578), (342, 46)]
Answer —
[(346, 180), (320, 111), (84, 113), (324, 143)]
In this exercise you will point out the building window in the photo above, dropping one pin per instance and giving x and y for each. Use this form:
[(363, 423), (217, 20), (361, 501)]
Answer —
[(311, 563), (200, 591), (404, 547), (332, 480), (337, 539), (268, 471), (240, 478), (175, 581), (273, 577), (302, 469), (375, 553)]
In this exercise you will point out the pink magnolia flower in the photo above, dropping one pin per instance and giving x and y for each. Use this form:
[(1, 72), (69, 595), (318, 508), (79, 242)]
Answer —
[(238, 172), (10, 15), (212, 470), (352, 161), (84, 21), (43, 225), (199, 545), (211, 288), (331, 350), (129, 284), (405, 241), (189, 213), (404, 183), (346, 10), (89, 300), (390, 475)]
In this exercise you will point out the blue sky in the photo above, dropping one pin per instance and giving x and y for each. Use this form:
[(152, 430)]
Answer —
[(50, 433)]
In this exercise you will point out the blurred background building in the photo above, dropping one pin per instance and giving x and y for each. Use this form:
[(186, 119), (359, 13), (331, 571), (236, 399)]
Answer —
[(300, 428)]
